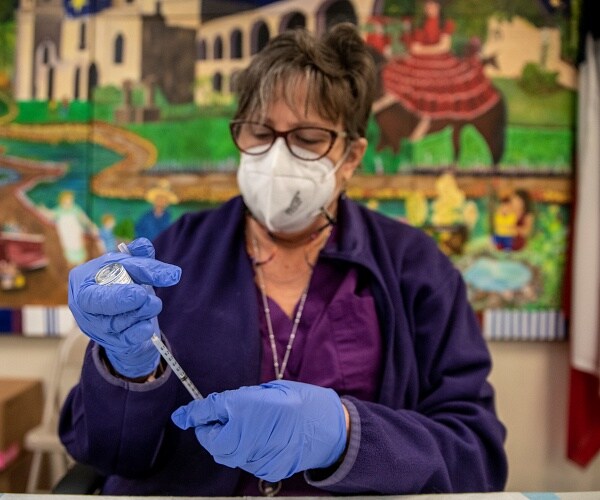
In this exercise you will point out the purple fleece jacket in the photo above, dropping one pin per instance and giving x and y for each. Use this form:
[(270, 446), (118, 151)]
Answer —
[(433, 427)]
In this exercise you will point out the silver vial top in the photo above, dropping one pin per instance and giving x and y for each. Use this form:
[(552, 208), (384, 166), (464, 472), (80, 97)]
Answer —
[(113, 274)]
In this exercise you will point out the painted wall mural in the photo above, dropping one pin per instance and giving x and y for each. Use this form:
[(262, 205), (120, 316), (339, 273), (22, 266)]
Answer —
[(114, 121)]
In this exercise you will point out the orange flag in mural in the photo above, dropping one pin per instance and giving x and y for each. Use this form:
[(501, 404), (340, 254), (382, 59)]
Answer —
[(584, 398)]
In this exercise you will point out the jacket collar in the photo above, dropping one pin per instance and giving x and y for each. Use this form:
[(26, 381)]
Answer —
[(353, 242), (354, 224)]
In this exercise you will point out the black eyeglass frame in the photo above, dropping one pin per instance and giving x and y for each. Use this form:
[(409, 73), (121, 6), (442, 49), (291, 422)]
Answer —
[(334, 134)]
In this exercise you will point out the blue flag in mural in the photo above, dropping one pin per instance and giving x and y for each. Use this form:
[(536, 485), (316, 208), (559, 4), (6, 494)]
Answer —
[(76, 8)]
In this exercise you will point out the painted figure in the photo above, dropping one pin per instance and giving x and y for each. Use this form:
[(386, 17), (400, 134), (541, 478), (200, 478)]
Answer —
[(505, 222), (158, 218), (513, 221), (107, 235), (429, 89), (71, 224), (523, 208), (434, 37)]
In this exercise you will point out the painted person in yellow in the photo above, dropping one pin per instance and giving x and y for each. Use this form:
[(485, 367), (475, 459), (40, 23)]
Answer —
[(505, 225)]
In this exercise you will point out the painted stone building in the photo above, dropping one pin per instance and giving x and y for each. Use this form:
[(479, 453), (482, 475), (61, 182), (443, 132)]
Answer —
[(65, 57), (190, 49), (226, 44)]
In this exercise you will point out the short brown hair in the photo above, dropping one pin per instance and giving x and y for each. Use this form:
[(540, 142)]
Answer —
[(337, 67)]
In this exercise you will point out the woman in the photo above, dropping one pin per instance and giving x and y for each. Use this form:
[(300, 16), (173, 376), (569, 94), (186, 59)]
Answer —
[(435, 36), (336, 346), (71, 225), (433, 84), (523, 208)]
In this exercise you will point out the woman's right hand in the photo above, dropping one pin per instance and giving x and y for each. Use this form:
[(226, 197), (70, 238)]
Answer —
[(122, 318)]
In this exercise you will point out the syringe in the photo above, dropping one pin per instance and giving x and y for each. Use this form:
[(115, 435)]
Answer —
[(175, 366), (116, 273)]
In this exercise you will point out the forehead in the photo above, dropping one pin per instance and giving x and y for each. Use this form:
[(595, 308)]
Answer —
[(293, 102)]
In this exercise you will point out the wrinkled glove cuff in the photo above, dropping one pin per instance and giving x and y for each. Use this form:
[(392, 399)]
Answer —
[(138, 362)]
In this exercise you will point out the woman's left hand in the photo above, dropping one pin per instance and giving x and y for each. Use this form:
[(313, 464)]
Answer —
[(272, 430)]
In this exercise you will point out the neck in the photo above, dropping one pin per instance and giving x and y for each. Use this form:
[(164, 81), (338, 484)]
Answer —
[(301, 239), (282, 271), (291, 242), (322, 224)]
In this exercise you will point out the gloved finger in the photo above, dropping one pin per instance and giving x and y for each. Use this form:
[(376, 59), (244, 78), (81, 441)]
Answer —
[(110, 329), (141, 247), (146, 312), (209, 410), (132, 336), (180, 417), (111, 300), (152, 272), (223, 440)]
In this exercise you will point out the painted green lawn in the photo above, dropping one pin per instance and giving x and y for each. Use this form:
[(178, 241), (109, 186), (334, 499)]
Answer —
[(201, 141), (539, 135), (538, 110)]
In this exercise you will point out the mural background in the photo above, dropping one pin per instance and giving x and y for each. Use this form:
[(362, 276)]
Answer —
[(114, 121)]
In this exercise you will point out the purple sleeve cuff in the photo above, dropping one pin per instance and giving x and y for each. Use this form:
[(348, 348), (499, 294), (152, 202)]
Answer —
[(104, 372), (351, 452)]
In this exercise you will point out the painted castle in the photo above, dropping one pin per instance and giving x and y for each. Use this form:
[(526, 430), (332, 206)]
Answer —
[(189, 49)]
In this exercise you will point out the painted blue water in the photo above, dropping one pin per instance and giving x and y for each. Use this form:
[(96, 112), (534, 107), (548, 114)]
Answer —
[(491, 275), (8, 176), (83, 160)]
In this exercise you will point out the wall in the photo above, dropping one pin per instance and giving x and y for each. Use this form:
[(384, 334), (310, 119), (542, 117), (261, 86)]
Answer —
[(531, 381), (531, 384)]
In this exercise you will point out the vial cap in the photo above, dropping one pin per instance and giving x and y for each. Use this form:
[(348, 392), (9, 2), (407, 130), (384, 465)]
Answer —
[(113, 274)]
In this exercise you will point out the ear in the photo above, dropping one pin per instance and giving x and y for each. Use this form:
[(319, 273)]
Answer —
[(358, 148)]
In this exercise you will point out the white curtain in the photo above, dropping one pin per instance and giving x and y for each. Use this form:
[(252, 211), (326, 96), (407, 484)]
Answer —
[(585, 325), (584, 396)]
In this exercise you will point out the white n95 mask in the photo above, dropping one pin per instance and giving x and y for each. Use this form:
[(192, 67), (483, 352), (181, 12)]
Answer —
[(285, 193)]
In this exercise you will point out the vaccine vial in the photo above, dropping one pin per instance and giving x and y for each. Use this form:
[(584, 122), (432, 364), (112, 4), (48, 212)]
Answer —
[(113, 274)]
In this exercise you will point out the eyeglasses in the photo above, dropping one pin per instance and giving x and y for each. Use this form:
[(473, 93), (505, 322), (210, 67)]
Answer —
[(306, 143)]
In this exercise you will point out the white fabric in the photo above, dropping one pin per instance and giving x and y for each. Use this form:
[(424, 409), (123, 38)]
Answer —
[(585, 324), (284, 193)]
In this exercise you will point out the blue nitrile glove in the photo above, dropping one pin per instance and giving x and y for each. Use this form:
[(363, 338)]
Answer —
[(122, 318), (272, 430)]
